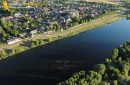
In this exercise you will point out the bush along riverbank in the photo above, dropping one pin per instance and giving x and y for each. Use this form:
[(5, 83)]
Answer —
[(26, 45), (42, 39), (114, 71)]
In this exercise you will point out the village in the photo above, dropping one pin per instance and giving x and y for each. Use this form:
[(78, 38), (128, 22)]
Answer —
[(65, 42), (28, 21)]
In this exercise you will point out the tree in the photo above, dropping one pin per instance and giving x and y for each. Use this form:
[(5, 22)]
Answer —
[(115, 53), (115, 82), (104, 83), (32, 44), (15, 33), (18, 50), (94, 78), (100, 68), (1, 29), (108, 61), (3, 54), (3, 23)]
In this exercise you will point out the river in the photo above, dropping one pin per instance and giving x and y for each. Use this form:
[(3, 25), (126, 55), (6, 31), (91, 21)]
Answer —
[(49, 64)]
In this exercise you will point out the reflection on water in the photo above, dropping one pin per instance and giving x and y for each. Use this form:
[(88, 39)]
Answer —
[(55, 62)]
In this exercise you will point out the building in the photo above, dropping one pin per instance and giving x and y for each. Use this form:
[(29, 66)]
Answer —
[(13, 40), (18, 15)]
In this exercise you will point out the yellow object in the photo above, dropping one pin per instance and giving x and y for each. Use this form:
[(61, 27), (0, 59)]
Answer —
[(5, 5)]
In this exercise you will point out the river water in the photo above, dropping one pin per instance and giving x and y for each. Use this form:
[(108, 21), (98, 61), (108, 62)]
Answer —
[(49, 64)]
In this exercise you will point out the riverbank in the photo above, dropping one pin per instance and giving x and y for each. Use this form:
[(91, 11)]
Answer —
[(42, 39), (114, 70)]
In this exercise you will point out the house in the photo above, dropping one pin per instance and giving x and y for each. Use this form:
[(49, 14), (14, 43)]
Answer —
[(23, 35), (33, 32), (41, 29), (74, 13), (62, 30), (68, 19), (13, 40), (18, 15)]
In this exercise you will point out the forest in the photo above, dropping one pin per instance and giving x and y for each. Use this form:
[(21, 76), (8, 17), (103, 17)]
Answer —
[(114, 71)]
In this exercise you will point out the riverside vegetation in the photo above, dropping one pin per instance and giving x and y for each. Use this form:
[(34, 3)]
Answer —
[(114, 71)]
